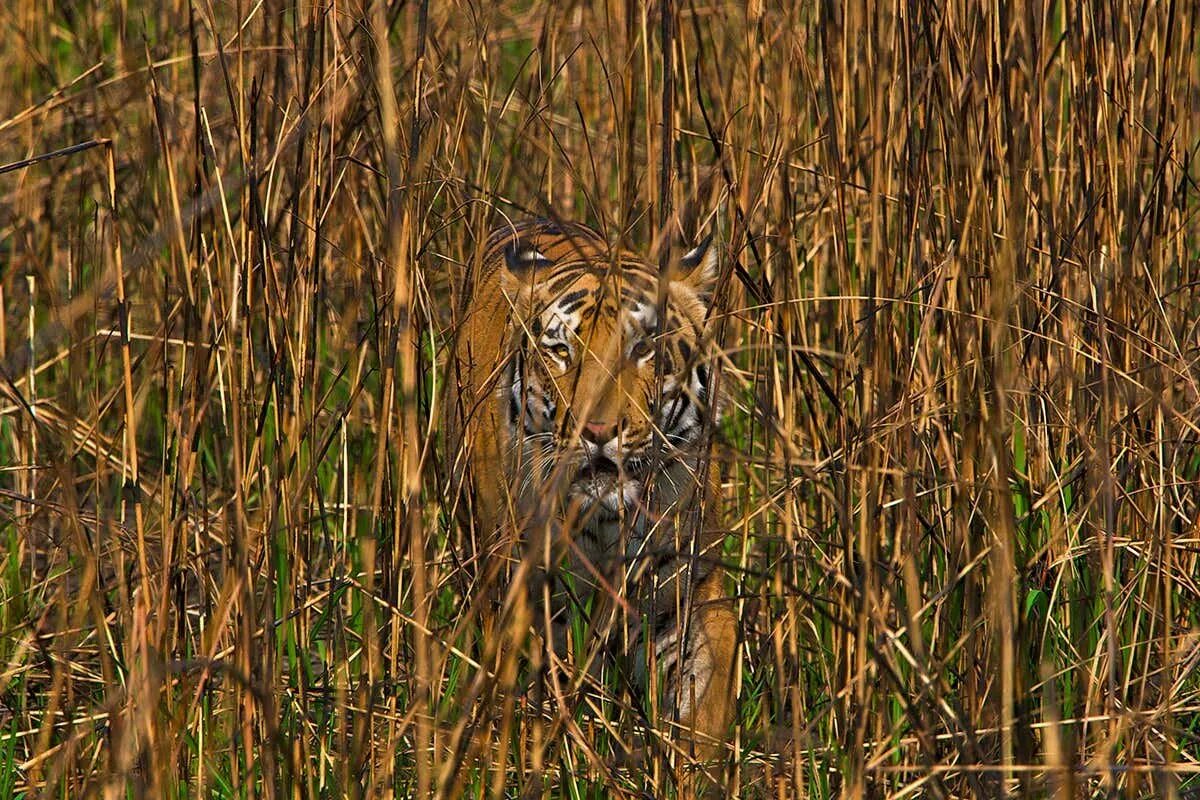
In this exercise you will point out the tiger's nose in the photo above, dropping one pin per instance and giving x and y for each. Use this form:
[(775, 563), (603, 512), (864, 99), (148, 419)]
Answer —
[(599, 432)]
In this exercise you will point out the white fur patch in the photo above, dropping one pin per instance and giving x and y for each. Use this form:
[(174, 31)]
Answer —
[(530, 255)]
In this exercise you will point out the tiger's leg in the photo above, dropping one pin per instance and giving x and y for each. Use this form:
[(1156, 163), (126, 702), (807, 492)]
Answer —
[(698, 692)]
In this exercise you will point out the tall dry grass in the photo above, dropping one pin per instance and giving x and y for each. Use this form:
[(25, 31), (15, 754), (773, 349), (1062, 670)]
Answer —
[(962, 321)]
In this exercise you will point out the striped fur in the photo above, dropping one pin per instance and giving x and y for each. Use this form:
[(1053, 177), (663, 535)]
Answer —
[(584, 400)]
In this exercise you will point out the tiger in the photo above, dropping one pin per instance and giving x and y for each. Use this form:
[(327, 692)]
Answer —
[(585, 401)]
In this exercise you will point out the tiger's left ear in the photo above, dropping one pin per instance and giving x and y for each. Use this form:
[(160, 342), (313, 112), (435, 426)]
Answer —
[(698, 267), (524, 264)]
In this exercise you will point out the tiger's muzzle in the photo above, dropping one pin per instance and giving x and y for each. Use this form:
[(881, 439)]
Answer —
[(605, 477)]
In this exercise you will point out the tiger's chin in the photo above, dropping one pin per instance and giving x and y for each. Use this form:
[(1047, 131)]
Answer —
[(615, 499)]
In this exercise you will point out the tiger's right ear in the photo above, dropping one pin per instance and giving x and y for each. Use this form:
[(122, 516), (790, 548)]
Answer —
[(698, 267)]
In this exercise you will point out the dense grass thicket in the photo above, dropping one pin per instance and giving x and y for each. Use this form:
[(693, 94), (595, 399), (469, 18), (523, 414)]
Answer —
[(960, 317)]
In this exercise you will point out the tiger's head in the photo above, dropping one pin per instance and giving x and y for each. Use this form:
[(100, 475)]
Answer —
[(604, 370)]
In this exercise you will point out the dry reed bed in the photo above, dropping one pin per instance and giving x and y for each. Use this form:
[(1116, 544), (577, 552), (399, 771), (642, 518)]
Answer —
[(961, 326)]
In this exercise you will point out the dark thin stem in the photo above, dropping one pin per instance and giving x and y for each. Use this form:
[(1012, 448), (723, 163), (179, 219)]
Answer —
[(66, 151)]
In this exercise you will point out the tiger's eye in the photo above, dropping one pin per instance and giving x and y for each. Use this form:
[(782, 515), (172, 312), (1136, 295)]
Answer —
[(641, 348), (561, 352)]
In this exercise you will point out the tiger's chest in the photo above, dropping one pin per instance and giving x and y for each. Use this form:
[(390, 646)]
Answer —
[(605, 547)]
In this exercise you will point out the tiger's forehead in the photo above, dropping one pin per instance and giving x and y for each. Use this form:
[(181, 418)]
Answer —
[(566, 252), (606, 301), (579, 280)]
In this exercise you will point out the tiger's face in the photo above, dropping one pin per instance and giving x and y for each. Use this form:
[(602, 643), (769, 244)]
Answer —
[(604, 371)]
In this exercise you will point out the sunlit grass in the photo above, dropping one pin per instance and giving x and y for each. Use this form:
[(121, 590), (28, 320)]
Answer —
[(959, 336)]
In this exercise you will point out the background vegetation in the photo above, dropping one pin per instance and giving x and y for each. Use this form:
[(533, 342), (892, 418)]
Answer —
[(962, 321)]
